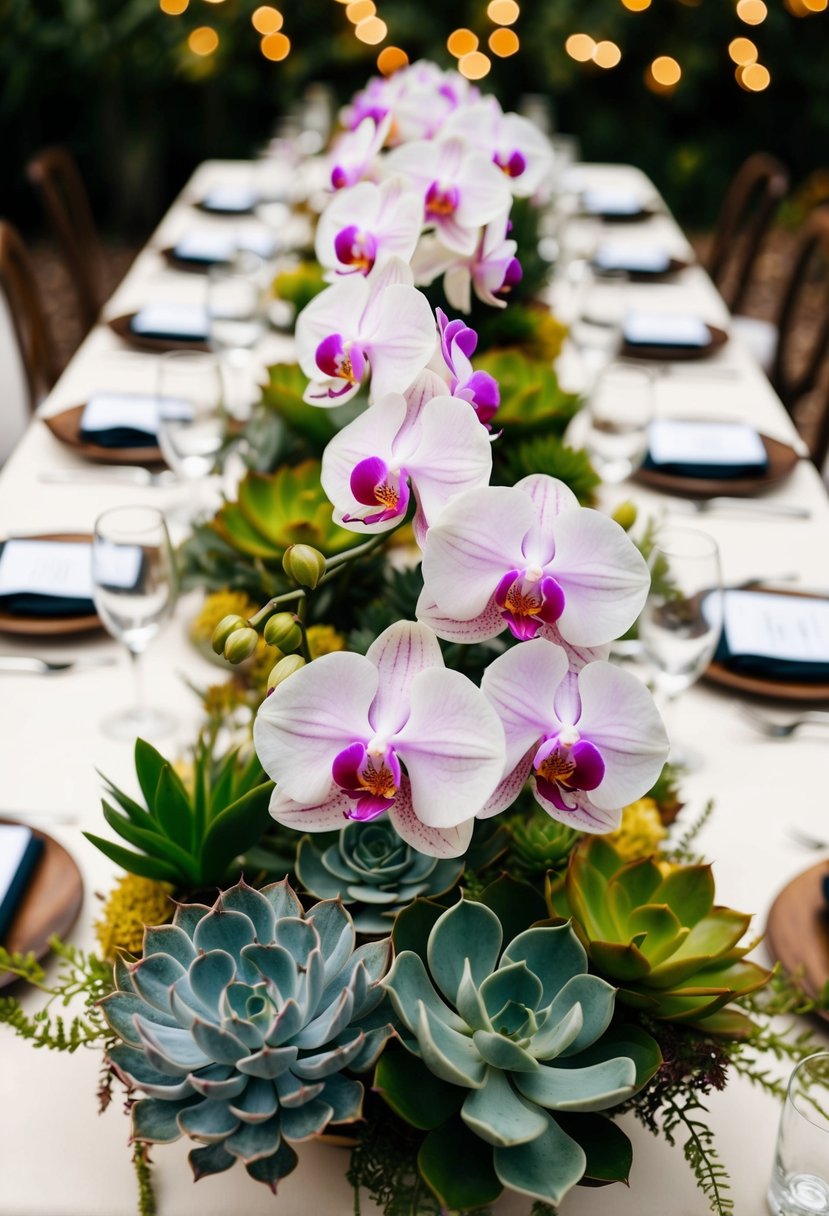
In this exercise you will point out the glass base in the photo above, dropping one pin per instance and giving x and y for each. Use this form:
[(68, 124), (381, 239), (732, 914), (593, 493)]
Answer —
[(132, 724), (798, 1195)]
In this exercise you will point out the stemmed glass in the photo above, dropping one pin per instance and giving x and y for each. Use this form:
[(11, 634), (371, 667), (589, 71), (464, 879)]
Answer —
[(681, 622), (236, 293), (617, 414), (192, 419), (134, 585)]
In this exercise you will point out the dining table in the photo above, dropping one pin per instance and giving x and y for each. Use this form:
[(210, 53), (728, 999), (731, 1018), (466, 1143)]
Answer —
[(58, 1155)]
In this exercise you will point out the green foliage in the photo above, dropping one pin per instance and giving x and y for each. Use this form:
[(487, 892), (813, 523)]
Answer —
[(538, 843), (532, 401), (80, 977), (141, 1164), (680, 1117), (299, 284), (547, 454), (190, 838), (530, 329), (384, 1164)]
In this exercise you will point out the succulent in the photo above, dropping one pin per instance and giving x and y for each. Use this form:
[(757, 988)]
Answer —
[(539, 843), (532, 401), (551, 455), (373, 872), (188, 837), (515, 1055), (658, 935), (237, 1024)]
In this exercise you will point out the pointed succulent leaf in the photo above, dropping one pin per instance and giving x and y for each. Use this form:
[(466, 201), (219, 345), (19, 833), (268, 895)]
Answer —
[(466, 930), (276, 964), (135, 863), (714, 935), (244, 899), (662, 932), (470, 1004), (621, 1040), (689, 890), (257, 1103), (448, 1054), (187, 916), (218, 1082), (345, 1097), (171, 804), (409, 986), (293, 1091), (499, 1115), (557, 1031), (502, 1053), (335, 929), (595, 998), (287, 1023), (209, 975), (119, 1009), (513, 981), (326, 1063), (133, 1063), (230, 931), (545, 1168), (283, 899), (553, 953), (590, 1088), (219, 1045), (253, 1141), (210, 1159), (268, 1063), (419, 1097), (152, 843), (207, 1120), (608, 1150), (623, 963), (516, 903), (457, 1167), (235, 830), (156, 1122), (303, 1122), (271, 1169), (171, 940)]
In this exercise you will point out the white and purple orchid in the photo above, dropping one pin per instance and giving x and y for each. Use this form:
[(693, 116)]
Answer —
[(424, 443), (492, 270), (381, 323), (517, 147), (461, 188), (530, 559), (591, 742), (457, 346), (418, 99), (393, 731), (353, 158), (364, 225)]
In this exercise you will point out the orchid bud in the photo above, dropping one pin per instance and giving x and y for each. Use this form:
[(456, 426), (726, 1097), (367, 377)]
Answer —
[(625, 514), (226, 626), (284, 668), (284, 632), (241, 644), (304, 564)]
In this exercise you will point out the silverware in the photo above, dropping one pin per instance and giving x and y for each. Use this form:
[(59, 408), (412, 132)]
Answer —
[(745, 506), (782, 728), (132, 475), (30, 665), (807, 841)]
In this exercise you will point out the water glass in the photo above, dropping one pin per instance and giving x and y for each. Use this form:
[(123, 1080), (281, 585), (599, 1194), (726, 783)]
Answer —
[(190, 433), (618, 412), (800, 1178), (134, 586), (236, 305)]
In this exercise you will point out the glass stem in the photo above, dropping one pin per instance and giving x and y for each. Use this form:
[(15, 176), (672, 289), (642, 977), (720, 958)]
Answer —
[(138, 681)]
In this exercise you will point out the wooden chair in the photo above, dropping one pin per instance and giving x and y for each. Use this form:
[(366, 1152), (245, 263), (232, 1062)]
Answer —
[(757, 189), (57, 181)]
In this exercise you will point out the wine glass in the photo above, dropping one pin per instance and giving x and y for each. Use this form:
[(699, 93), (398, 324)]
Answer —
[(236, 293), (681, 622), (134, 585), (617, 415), (192, 419)]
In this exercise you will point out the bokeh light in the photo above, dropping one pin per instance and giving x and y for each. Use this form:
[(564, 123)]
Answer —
[(358, 10), (753, 12), (461, 42), (391, 59), (666, 71), (636, 6), (173, 8), (267, 20), (503, 43), (275, 47), (742, 51), (203, 40), (503, 12), (754, 78), (474, 65), (580, 47), (816, 6), (371, 30), (606, 54)]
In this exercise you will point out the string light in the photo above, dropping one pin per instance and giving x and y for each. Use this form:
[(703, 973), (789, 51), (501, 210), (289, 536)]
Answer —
[(636, 6), (580, 47), (666, 71), (503, 12), (606, 54), (391, 59), (753, 12), (816, 6), (754, 78), (267, 20), (173, 8), (474, 65), (358, 10), (742, 51), (203, 40), (275, 47), (371, 30), (503, 43), (461, 42)]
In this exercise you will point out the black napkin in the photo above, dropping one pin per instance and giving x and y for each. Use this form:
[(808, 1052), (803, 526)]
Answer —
[(181, 335), (797, 671), (711, 472), (12, 892), (120, 437), (37, 603)]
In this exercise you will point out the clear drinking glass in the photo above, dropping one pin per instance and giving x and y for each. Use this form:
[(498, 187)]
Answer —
[(800, 1178), (192, 418), (134, 584), (617, 414), (681, 622), (236, 301)]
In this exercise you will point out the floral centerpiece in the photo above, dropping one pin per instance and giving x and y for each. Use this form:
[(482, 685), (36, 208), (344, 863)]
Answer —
[(396, 894)]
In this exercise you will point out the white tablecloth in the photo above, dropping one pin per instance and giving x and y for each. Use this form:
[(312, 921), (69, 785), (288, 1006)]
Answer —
[(57, 1156)]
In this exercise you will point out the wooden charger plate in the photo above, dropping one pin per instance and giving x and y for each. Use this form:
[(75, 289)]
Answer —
[(782, 460), (191, 265), (51, 905), (122, 326), (662, 352), (797, 930), (204, 204), (815, 692), (50, 626), (643, 276), (66, 427)]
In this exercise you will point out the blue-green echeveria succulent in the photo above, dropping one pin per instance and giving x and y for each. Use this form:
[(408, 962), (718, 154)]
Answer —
[(373, 871), (518, 1037), (237, 1024)]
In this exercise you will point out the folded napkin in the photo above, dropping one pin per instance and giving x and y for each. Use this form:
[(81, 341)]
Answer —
[(20, 851), (665, 329), (634, 259), (711, 450), (205, 247), (128, 420), (230, 200), (46, 578), (778, 637), (182, 322), (616, 204)]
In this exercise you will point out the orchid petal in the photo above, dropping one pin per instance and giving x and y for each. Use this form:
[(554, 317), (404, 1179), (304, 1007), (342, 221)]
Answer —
[(328, 815), (433, 841), (481, 628), (583, 814), (521, 686), (457, 287), (371, 434), (403, 340), (550, 497), (399, 654), (336, 310), (509, 787), (453, 454)]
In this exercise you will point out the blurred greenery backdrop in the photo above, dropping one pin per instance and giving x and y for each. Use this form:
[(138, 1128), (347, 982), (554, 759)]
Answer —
[(117, 82)]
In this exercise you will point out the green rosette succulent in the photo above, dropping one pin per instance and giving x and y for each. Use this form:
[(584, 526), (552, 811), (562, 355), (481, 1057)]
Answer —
[(373, 872), (658, 936), (237, 1024), (515, 1055), (539, 844)]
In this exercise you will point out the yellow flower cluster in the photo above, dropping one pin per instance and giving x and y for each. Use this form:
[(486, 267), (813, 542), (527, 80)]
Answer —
[(641, 831), (324, 639), (216, 606), (131, 904)]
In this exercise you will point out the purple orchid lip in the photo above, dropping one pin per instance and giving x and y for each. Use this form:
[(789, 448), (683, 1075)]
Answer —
[(513, 165), (340, 177), (355, 247), (562, 767), (514, 275), (527, 603), (341, 360), (481, 389), (371, 780), (441, 200), (373, 484)]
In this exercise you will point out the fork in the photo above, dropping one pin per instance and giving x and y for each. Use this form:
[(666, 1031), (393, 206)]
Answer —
[(775, 728), (29, 664), (748, 506), (132, 475)]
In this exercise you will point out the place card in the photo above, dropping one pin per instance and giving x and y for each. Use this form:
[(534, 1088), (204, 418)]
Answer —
[(210, 247), (230, 198), (133, 413), (616, 202), (20, 852), (727, 444), (185, 321), (635, 259), (665, 329), (793, 628), (42, 567)]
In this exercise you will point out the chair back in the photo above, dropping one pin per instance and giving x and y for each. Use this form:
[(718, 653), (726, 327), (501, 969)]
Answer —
[(28, 365), (756, 191), (57, 181)]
